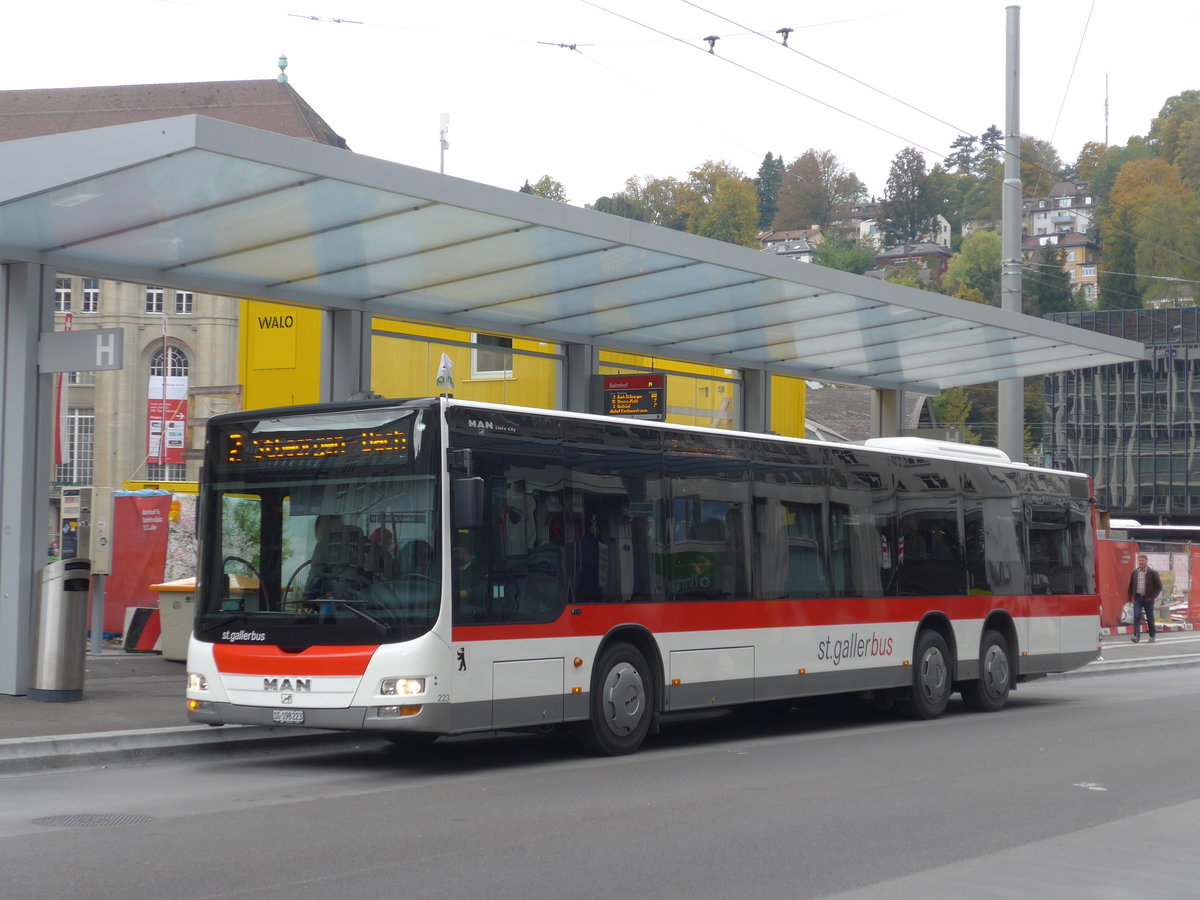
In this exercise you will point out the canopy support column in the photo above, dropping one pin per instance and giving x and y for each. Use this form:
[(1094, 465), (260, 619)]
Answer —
[(887, 413), (346, 367), (756, 401), (583, 361), (26, 429)]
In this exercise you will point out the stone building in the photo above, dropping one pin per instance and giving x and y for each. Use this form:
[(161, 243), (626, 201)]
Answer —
[(180, 348)]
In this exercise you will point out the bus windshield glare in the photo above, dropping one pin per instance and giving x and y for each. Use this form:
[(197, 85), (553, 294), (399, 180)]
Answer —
[(320, 525)]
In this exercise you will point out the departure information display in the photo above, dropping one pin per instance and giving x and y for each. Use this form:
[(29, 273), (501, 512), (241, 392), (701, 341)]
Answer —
[(634, 396)]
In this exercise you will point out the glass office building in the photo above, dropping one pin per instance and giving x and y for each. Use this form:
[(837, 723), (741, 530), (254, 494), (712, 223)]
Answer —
[(1133, 427)]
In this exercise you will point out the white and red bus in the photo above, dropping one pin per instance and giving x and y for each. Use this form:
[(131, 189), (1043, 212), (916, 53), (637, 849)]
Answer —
[(428, 567)]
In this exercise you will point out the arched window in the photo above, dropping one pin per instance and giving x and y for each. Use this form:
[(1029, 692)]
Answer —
[(177, 362)]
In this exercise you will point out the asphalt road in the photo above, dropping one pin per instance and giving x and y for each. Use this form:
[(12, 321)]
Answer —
[(1081, 788)]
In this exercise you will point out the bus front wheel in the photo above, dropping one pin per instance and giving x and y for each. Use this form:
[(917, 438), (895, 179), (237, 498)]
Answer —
[(989, 692), (932, 682), (621, 702)]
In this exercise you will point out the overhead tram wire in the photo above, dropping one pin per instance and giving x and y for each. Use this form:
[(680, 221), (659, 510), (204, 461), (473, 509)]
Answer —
[(1042, 170), (757, 74), (958, 129), (935, 153), (826, 65), (629, 81), (1070, 78)]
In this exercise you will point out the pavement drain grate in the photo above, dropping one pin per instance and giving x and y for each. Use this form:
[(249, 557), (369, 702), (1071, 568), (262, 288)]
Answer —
[(93, 820)]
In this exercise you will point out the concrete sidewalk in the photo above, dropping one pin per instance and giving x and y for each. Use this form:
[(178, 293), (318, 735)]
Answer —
[(133, 709)]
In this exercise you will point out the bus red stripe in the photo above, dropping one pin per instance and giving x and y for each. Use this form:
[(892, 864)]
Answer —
[(249, 659), (730, 615)]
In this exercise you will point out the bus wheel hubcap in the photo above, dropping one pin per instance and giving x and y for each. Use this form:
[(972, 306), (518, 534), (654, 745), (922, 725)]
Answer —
[(995, 670), (933, 676), (624, 698)]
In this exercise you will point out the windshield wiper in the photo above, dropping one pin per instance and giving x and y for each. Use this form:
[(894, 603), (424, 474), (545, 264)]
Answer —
[(352, 605), (228, 620)]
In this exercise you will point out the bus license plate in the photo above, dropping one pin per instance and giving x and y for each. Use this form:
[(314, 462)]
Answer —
[(288, 716)]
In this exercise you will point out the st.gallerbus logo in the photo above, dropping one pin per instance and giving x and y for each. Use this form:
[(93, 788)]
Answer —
[(854, 647)]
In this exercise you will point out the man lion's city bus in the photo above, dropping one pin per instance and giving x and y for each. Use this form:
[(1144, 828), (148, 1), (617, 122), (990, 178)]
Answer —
[(416, 568)]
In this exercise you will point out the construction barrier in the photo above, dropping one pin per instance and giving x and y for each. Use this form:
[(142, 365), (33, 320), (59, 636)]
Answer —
[(143, 630)]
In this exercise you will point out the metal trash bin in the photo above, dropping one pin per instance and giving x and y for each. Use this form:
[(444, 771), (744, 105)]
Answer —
[(60, 616)]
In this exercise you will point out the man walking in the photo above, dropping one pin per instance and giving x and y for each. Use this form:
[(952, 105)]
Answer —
[(1144, 588)]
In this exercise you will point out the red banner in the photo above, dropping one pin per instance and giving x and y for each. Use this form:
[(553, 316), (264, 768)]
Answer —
[(1115, 560), (139, 555), (166, 419), (1193, 612)]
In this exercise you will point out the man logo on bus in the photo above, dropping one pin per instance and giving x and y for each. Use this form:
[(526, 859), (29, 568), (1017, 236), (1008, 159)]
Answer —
[(287, 684)]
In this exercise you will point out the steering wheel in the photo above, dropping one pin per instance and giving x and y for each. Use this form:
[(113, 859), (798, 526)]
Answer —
[(262, 587), (292, 580), (245, 562)]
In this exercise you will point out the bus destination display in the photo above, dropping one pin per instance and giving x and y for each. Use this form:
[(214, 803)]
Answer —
[(298, 445), (634, 396)]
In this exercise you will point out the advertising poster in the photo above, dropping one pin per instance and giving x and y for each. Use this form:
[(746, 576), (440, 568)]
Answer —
[(166, 412), (139, 553)]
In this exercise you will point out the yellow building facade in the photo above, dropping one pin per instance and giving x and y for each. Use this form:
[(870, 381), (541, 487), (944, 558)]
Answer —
[(281, 349)]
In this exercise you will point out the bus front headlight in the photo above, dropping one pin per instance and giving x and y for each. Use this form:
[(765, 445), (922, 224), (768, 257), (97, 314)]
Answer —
[(402, 687), (197, 682)]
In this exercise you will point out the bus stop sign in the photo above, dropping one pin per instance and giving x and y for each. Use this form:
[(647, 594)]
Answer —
[(96, 350)]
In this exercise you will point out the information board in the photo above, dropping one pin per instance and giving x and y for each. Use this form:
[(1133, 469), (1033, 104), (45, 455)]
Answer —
[(633, 396)]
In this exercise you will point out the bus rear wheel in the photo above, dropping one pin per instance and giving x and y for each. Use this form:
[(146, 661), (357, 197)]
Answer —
[(989, 692), (932, 682), (621, 702)]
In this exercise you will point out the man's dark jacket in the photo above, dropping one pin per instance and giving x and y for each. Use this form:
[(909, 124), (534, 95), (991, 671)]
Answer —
[(1153, 584)]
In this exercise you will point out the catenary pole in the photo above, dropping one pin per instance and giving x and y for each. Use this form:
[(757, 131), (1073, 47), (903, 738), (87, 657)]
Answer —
[(1010, 406)]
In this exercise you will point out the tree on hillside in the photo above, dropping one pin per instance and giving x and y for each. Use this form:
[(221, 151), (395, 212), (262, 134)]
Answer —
[(968, 182), (952, 407), (817, 190), (1104, 176), (975, 267), (1041, 167), (909, 208), (1176, 128), (844, 255), (961, 160), (1141, 180), (654, 200), (1143, 190), (1118, 285), (620, 204), (991, 144), (730, 215), (546, 187), (720, 202), (1166, 252), (908, 276), (662, 200), (1091, 157), (770, 177), (1045, 284)]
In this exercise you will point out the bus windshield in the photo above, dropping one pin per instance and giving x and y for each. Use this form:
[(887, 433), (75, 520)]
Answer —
[(320, 529)]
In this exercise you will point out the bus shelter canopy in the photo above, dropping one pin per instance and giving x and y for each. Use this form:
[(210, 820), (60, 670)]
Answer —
[(211, 206)]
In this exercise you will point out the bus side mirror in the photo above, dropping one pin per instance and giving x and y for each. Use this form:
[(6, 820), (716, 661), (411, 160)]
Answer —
[(467, 497)]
